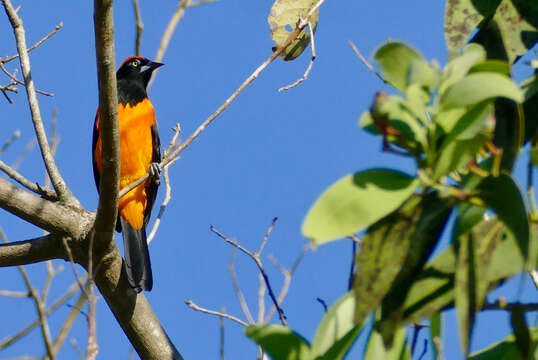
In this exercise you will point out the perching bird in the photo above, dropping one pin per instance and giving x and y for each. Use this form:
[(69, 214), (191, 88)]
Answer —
[(140, 153)]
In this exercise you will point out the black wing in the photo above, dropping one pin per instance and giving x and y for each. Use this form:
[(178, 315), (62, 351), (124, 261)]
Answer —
[(152, 185)]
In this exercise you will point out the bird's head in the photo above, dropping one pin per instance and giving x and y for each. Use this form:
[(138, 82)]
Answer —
[(137, 68)]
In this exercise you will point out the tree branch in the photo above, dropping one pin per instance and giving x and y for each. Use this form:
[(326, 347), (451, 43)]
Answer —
[(51, 216), (58, 182), (108, 111)]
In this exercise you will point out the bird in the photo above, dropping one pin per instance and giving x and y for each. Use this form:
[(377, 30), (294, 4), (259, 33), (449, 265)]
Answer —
[(140, 150)]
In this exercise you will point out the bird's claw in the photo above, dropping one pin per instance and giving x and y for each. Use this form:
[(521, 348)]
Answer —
[(155, 172)]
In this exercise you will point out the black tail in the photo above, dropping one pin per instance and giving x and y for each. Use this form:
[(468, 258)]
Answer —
[(137, 262)]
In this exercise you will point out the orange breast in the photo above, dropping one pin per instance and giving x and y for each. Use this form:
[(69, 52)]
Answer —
[(136, 146)]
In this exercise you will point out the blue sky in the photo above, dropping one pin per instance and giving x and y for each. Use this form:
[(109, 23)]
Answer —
[(270, 154)]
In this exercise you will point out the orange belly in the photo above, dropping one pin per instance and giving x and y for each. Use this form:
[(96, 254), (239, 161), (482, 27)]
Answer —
[(136, 147)]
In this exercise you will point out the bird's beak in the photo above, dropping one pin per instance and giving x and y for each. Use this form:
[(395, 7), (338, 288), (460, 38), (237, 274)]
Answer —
[(151, 66)]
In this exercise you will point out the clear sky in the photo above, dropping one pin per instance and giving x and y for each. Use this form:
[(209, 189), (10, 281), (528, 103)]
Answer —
[(269, 155)]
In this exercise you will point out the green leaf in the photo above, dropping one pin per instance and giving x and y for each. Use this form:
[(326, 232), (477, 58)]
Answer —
[(282, 20), (478, 87), (335, 326), (436, 332), (534, 155), (504, 350), (473, 242), (503, 195), (279, 342), (496, 66), (521, 331), (376, 349), (517, 23), (393, 251), (433, 213), (355, 202), (462, 17), (458, 67), (464, 140), (434, 287), (403, 65)]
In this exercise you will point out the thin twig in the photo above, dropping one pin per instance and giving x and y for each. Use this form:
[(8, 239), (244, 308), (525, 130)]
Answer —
[(27, 150), (15, 81), (221, 325), (365, 62), (172, 157), (416, 331), (352, 267), (323, 303), (74, 343), (193, 306), (10, 141), (238, 292), (40, 306), (45, 38), (501, 305), (139, 27), (267, 234), (92, 348), (72, 290), (288, 274), (309, 67), (15, 175), (68, 323), (14, 294), (166, 200), (256, 258), (61, 188), (261, 297), (534, 276)]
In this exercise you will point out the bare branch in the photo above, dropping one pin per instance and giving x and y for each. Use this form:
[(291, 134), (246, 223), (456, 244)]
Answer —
[(10, 340), (45, 38), (108, 111), (238, 292), (367, 64), (13, 137), (59, 184), (14, 294), (193, 306), (51, 216), (68, 323), (30, 251), (40, 306), (139, 27), (309, 67), (162, 209), (256, 258), (15, 175)]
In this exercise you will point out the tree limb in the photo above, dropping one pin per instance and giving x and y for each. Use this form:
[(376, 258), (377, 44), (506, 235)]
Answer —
[(58, 182)]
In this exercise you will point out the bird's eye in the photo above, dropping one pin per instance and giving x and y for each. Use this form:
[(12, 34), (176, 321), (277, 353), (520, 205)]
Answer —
[(135, 63)]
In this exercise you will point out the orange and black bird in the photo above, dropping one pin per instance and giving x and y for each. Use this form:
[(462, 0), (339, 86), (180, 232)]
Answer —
[(140, 153)]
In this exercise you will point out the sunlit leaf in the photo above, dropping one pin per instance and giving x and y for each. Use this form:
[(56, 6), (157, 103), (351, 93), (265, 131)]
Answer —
[(524, 341), (337, 325), (376, 349), (464, 140), (434, 287), (517, 22), (462, 17), (505, 349), (393, 250), (503, 195), (478, 87), (282, 20), (402, 65), (355, 202), (496, 66), (279, 342), (459, 66), (436, 332)]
